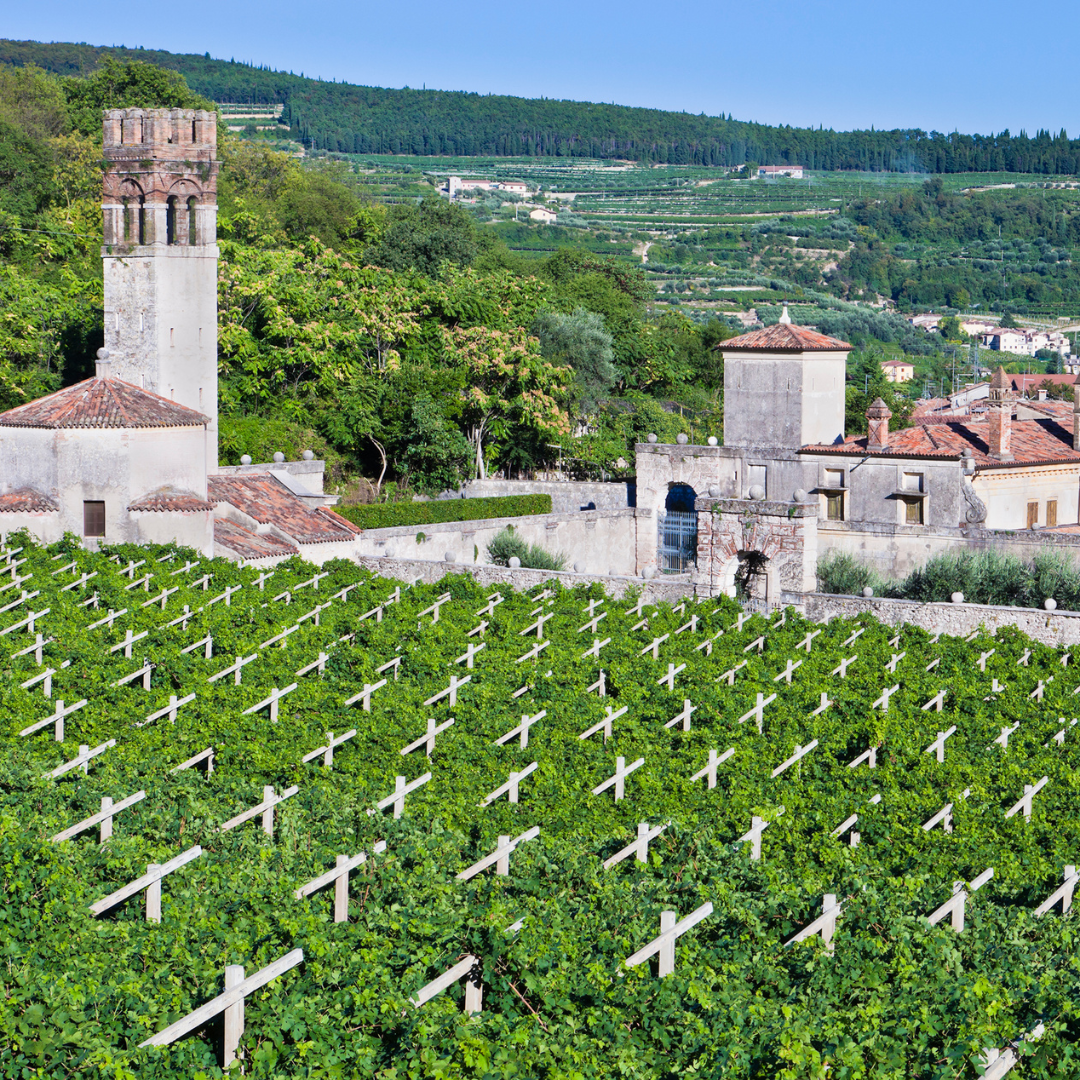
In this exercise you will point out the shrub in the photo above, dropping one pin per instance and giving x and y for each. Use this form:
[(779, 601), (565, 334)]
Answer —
[(392, 515), (984, 577), (507, 544), (843, 573)]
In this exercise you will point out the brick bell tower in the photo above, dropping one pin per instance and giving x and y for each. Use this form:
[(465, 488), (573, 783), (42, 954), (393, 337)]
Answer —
[(160, 255)]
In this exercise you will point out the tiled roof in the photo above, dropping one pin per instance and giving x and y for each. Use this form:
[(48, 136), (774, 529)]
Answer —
[(1033, 382), (785, 337), (249, 545), (263, 497), (27, 500), (1034, 442), (102, 403), (168, 499)]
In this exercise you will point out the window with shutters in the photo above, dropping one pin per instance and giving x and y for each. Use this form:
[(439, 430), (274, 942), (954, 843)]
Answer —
[(913, 511), (93, 518)]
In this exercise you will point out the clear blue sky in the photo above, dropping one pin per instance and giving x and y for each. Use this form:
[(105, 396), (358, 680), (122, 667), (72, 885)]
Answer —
[(971, 65)]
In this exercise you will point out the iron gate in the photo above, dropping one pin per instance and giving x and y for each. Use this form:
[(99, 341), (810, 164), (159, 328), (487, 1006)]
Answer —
[(677, 546)]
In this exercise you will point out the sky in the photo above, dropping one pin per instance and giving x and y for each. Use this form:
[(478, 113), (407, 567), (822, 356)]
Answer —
[(968, 65)]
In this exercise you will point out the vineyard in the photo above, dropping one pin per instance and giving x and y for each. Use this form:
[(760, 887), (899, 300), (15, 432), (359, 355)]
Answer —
[(335, 825)]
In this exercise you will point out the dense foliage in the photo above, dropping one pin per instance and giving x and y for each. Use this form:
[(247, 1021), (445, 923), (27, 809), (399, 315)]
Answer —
[(371, 120), (984, 577), (390, 515), (897, 998)]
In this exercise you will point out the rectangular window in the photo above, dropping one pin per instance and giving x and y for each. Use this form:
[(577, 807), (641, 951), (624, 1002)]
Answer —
[(912, 481), (835, 507), (756, 476), (1033, 514), (913, 511), (93, 518), (1051, 513)]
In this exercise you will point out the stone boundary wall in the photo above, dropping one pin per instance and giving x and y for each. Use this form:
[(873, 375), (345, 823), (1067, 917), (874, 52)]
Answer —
[(567, 496), (895, 550), (1050, 628), (431, 572), (600, 542)]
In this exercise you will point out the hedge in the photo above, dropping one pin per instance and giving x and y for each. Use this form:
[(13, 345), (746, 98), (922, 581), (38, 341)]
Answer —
[(391, 515)]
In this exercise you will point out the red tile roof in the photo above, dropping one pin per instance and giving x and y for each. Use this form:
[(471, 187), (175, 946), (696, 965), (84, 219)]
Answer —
[(1033, 382), (168, 499), (1034, 442), (27, 500), (785, 337), (247, 544), (266, 499), (101, 403)]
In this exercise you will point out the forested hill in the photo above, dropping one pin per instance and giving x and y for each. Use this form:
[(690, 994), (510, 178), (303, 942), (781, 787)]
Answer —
[(370, 120)]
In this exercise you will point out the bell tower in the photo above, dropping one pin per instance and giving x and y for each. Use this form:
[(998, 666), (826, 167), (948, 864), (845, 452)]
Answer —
[(160, 255)]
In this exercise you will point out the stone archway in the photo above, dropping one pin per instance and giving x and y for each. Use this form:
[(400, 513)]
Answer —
[(676, 542)]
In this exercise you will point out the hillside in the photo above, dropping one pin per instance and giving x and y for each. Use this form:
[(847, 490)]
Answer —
[(372, 120)]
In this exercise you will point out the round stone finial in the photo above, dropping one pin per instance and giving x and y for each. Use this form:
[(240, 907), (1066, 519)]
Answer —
[(799, 495), (279, 457), (712, 440), (756, 492), (245, 459), (103, 354), (449, 557), (1050, 604), (649, 573), (867, 592), (682, 438), (957, 598), (612, 572), (308, 455), (579, 568), (513, 562), (714, 492), (651, 437)]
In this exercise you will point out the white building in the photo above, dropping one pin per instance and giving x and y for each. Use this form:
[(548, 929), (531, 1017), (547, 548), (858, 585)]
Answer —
[(131, 454), (773, 171)]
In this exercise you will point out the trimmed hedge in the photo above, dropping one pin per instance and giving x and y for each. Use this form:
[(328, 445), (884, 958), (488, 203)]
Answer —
[(392, 515)]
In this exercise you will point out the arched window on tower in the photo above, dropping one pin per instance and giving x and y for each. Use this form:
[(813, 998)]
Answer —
[(142, 219), (126, 212), (170, 221), (192, 234)]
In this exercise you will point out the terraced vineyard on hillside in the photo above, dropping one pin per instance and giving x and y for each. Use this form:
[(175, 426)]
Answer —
[(832, 783)]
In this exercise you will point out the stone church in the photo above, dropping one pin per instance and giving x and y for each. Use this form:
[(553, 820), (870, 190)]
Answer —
[(131, 454)]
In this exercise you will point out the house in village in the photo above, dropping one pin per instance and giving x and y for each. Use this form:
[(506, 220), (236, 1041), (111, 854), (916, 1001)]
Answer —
[(772, 172)]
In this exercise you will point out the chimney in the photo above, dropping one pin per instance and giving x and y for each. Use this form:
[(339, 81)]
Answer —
[(785, 318), (103, 368), (999, 439), (1076, 413), (878, 417)]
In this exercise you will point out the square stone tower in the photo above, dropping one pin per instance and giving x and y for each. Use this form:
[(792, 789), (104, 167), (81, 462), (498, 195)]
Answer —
[(784, 387), (160, 255)]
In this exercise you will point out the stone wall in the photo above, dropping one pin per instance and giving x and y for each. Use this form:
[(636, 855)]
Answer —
[(784, 534), (1051, 628), (566, 496), (596, 541), (894, 551), (615, 586)]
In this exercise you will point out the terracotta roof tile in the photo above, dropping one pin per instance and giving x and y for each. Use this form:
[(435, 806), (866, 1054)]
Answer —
[(785, 337), (266, 499), (101, 403), (27, 500), (168, 499), (247, 544), (1034, 442)]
